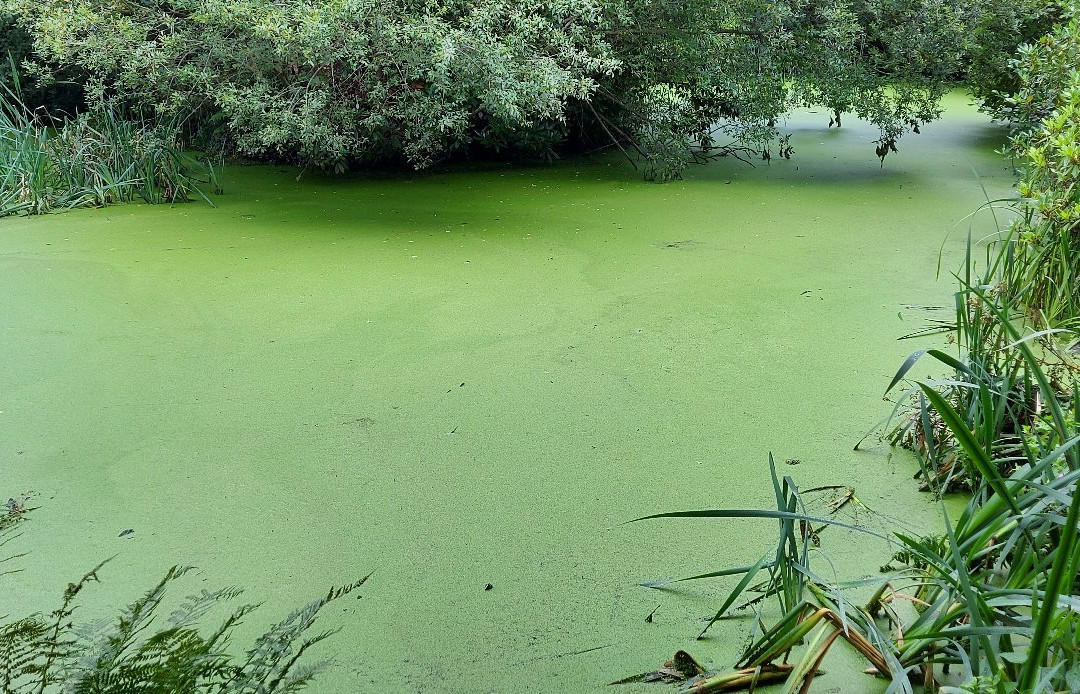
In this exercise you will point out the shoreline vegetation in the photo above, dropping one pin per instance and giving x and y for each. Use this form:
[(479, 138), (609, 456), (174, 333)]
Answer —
[(990, 604), (339, 85), (95, 159)]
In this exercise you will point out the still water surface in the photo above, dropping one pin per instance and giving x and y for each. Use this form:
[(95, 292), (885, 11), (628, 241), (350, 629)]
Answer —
[(471, 378)]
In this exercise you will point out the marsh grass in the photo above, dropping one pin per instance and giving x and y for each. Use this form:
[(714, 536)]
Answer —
[(993, 603), (989, 386), (92, 160), (992, 385)]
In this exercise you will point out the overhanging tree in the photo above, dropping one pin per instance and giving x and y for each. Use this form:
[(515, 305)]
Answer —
[(357, 81)]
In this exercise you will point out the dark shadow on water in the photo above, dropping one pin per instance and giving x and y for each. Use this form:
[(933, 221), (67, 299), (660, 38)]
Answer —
[(989, 136), (500, 200), (606, 165), (805, 171), (823, 155)]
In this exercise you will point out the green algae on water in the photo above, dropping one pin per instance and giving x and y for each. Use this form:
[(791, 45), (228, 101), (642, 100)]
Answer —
[(473, 378)]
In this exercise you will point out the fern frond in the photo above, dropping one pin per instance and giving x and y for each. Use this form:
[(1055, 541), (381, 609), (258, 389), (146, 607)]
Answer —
[(61, 647), (105, 656), (45, 654), (196, 606), (271, 658)]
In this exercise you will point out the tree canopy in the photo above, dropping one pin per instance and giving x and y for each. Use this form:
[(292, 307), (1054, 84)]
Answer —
[(342, 82)]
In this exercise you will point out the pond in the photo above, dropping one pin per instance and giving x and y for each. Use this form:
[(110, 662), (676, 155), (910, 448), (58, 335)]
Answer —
[(473, 378)]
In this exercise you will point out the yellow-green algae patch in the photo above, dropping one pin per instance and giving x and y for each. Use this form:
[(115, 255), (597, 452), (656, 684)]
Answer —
[(473, 378)]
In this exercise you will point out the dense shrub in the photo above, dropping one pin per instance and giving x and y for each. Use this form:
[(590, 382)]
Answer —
[(59, 95), (1002, 28), (1046, 117)]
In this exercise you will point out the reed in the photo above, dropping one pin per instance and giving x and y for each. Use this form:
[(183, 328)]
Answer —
[(92, 160), (991, 605)]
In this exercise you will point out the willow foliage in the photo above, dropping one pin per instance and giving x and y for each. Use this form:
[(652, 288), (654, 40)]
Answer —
[(347, 81)]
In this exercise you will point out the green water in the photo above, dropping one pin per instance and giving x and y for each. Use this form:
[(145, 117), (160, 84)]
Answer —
[(470, 378)]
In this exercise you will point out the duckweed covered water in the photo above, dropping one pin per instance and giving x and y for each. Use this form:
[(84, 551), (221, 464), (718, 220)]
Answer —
[(474, 378)]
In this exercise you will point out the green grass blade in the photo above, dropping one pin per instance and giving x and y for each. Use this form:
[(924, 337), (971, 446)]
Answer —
[(736, 592), (978, 456)]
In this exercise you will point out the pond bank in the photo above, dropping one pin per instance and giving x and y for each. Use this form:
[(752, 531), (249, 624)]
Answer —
[(473, 378)]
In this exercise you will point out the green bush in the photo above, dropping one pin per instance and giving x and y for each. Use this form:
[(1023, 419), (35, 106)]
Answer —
[(16, 45), (1050, 230), (1002, 29), (1045, 114), (59, 95)]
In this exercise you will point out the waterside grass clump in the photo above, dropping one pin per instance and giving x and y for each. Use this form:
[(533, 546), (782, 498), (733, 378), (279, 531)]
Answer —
[(92, 160), (992, 387), (992, 603), (1030, 278)]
